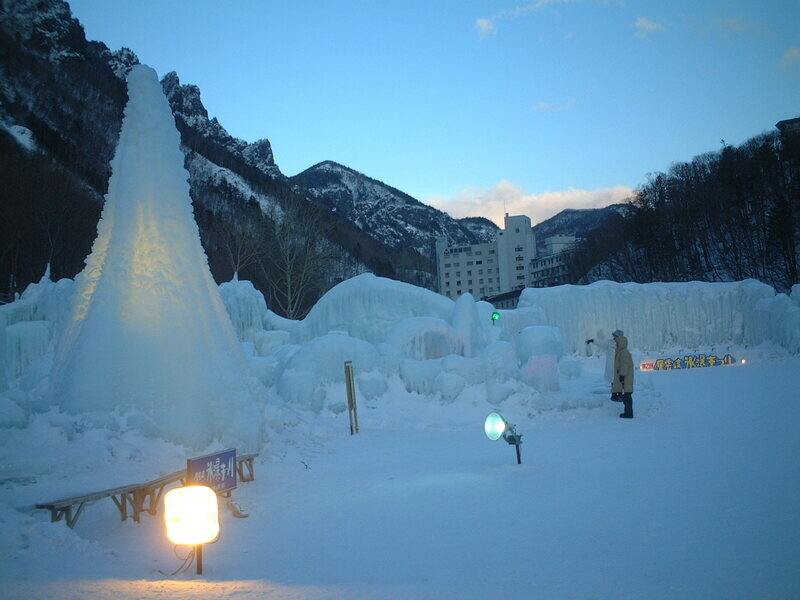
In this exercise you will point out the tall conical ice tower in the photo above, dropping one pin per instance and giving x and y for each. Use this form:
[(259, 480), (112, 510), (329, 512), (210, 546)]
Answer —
[(149, 333)]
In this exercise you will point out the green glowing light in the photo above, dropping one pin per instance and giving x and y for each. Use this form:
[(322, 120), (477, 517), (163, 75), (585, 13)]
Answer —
[(494, 426), (495, 316)]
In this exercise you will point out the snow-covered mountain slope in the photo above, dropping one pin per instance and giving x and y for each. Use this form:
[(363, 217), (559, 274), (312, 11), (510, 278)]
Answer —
[(188, 107), (383, 212), (483, 228), (578, 222)]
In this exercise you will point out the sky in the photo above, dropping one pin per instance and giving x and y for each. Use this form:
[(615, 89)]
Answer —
[(477, 107)]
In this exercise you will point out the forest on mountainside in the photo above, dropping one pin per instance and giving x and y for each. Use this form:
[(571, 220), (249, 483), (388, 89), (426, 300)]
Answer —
[(727, 215)]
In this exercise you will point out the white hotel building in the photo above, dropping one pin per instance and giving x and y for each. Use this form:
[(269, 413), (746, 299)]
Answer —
[(488, 269)]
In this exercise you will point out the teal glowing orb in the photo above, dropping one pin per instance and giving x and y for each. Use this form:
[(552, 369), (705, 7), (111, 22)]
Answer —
[(495, 316), (494, 426)]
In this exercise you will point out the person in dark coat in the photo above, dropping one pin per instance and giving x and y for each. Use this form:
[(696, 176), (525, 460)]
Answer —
[(622, 386)]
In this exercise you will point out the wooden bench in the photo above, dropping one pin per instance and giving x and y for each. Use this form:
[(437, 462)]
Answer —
[(141, 497)]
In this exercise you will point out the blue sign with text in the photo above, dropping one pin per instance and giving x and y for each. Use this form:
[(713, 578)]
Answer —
[(217, 471)]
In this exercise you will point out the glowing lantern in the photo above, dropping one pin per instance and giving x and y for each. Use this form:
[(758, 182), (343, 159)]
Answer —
[(192, 515), (496, 427), (495, 317)]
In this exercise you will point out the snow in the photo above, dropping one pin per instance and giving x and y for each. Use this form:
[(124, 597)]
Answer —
[(142, 362), (691, 499), (23, 136)]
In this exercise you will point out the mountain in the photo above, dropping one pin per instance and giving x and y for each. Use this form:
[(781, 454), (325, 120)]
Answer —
[(579, 222), (385, 213), (727, 215), (190, 113), (484, 229), (61, 104)]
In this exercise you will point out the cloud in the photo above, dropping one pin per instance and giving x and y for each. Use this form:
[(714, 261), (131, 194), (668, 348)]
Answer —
[(485, 28), (790, 58), (548, 107), (508, 197), (727, 26), (739, 25), (644, 27)]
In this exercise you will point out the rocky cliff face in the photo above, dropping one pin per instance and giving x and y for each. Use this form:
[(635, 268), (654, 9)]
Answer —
[(188, 108), (383, 212)]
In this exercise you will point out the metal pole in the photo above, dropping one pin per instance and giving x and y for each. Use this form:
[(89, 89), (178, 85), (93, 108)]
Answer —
[(519, 457), (351, 396), (198, 550)]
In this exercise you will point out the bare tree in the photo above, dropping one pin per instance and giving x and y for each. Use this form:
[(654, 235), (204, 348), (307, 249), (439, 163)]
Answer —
[(299, 256), (242, 244)]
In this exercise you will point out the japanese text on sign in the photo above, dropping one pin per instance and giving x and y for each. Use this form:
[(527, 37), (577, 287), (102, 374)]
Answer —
[(217, 471), (693, 361)]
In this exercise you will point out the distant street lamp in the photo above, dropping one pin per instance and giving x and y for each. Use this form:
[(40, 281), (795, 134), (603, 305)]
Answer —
[(496, 427), (495, 317), (191, 514)]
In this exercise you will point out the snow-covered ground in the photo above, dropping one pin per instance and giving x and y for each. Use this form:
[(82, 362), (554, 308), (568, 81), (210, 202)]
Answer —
[(118, 377), (694, 498)]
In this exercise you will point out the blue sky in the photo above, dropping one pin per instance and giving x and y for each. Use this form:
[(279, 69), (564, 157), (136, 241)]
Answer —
[(477, 107)]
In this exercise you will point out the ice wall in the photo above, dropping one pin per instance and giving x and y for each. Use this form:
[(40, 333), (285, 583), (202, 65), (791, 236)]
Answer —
[(655, 316), (367, 307), (433, 345), (248, 311), (148, 331), (30, 325)]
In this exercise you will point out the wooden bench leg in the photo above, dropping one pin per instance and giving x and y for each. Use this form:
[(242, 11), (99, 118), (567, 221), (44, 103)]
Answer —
[(155, 498), (122, 505), (245, 468), (72, 519)]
